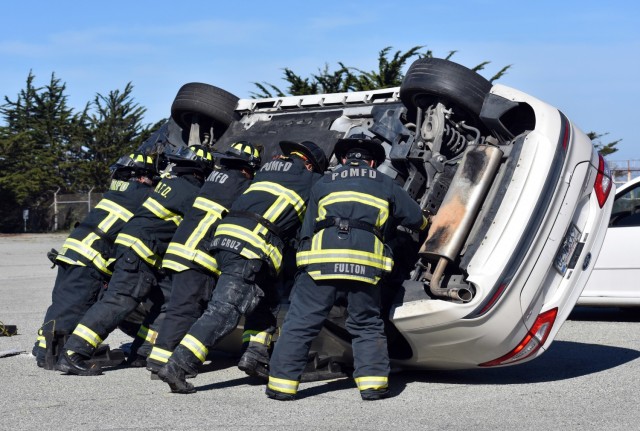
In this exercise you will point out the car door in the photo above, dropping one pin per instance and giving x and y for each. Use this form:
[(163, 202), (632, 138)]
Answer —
[(615, 279)]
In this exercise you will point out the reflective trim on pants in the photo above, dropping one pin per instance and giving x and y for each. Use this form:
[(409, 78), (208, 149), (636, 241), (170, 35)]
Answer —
[(283, 385), (261, 337), (195, 346), (87, 335), (147, 334), (372, 382), (160, 355)]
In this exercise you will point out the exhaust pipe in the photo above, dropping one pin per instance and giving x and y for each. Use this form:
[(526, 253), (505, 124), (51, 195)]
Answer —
[(450, 227), (463, 294)]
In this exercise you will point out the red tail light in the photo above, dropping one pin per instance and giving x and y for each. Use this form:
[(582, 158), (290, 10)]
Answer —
[(603, 182), (530, 344)]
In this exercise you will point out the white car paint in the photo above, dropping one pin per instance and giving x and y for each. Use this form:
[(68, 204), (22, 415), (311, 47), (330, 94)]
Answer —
[(615, 279)]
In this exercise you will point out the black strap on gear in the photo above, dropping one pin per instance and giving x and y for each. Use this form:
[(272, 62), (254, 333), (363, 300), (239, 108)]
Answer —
[(344, 225), (259, 219)]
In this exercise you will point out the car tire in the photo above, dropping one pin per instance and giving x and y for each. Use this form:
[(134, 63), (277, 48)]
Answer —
[(210, 105), (432, 80)]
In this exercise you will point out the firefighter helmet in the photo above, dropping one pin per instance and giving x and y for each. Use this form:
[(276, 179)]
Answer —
[(193, 159), (360, 146), (241, 152), (313, 153), (136, 164)]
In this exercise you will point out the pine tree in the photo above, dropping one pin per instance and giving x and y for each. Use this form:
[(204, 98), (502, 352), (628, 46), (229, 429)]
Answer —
[(116, 129), (37, 147)]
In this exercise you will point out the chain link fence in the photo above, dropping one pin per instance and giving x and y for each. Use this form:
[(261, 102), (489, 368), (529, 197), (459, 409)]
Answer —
[(624, 170)]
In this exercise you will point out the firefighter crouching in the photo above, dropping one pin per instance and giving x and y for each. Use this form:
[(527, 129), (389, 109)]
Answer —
[(343, 252), (140, 246), (194, 269), (85, 255), (248, 246)]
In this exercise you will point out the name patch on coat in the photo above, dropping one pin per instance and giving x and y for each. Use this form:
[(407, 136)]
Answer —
[(277, 165), (354, 173), (349, 268)]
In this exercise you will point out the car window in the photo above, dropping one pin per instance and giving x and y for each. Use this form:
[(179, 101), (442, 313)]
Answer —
[(626, 208)]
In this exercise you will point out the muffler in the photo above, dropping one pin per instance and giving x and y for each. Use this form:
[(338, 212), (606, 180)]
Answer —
[(450, 227)]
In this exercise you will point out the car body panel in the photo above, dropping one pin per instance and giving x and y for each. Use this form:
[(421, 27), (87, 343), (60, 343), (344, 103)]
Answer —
[(615, 279)]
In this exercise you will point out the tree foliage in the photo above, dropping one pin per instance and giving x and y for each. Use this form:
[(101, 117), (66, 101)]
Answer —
[(46, 145), (604, 149), (389, 73)]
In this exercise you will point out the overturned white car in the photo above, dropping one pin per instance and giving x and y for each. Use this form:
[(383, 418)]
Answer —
[(519, 197)]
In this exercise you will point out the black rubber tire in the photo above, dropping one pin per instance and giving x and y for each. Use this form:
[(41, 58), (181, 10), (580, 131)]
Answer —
[(211, 104), (432, 80)]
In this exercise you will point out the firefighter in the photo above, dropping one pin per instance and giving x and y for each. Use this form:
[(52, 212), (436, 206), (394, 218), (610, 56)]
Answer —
[(249, 246), (342, 253), (140, 246), (195, 270), (83, 261)]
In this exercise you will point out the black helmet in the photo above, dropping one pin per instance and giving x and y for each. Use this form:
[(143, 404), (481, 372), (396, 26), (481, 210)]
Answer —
[(360, 146), (309, 150), (136, 164), (241, 152), (195, 158)]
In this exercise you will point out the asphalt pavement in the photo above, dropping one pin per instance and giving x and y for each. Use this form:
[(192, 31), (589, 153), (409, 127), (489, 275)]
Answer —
[(588, 380)]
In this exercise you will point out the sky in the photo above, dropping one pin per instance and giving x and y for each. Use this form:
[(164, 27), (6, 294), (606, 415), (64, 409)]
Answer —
[(581, 56)]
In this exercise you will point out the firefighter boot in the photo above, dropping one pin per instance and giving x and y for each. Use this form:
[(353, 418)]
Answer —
[(374, 394), (255, 360), (280, 396), (73, 363), (174, 376)]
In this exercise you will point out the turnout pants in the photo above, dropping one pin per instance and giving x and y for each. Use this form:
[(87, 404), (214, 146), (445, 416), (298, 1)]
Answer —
[(236, 294), (310, 305), (75, 290), (133, 280), (190, 293)]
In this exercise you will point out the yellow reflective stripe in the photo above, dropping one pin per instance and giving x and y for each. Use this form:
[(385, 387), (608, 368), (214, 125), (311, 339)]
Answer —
[(207, 261), (160, 355), (209, 206), (425, 223), (252, 238), (304, 258), (261, 337), (118, 210), (65, 259), (81, 248), (201, 229), (42, 342), (275, 189), (372, 382), (147, 334), (88, 252), (86, 244), (181, 250), (173, 265), (198, 256), (161, 212), (317, 275), (87, 335), (283, 385), (195, 346), (350, 197), (139, 247)]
